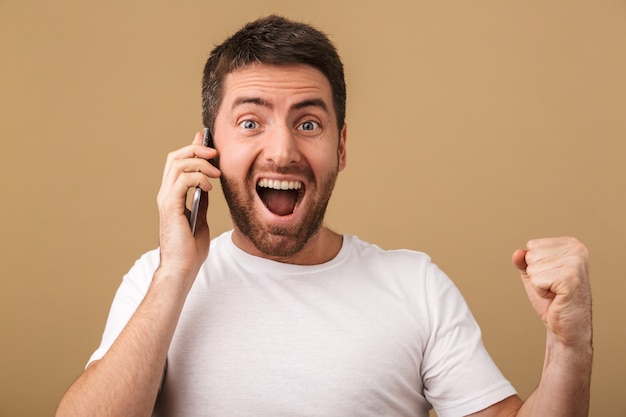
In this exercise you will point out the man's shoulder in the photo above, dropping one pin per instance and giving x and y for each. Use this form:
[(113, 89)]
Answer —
[(367, 249), (394, 259)]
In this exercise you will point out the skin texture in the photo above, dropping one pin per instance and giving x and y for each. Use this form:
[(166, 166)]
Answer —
[(279, 123), (555, 274)]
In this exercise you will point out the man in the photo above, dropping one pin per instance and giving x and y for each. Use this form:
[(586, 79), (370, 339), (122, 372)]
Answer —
[(282, 316)]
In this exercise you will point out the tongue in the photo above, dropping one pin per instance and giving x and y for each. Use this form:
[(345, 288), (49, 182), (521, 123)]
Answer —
[(280, 202)]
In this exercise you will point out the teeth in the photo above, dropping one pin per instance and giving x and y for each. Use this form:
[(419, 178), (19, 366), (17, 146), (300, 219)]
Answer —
[(279, 185)]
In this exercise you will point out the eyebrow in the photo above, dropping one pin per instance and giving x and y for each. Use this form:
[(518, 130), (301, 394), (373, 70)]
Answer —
[(314, 102), (251, 100)]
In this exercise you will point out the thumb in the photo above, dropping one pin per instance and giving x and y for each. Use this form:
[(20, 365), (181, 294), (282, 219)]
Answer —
[(519, 260)]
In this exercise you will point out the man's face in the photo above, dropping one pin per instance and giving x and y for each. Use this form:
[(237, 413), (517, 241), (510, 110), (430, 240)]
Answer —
[(280, 152)]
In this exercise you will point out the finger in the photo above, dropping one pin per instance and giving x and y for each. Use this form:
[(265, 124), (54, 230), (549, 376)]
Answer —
[(188, 181), (547, 242), (564, 270), (195, 150), (543, 283), (173, 199), (197, 139), (190, 165), (187, 168), (519, 260), (188, 152), (558, 246), (544, 254)]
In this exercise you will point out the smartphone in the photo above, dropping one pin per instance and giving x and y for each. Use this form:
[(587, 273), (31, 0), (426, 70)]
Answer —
[(207, 140)]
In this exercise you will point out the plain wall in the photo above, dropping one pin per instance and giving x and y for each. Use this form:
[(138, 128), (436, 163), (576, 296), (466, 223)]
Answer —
[(473, 127)]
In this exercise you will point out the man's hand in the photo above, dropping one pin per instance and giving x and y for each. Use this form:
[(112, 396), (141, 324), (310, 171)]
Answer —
[(127, 379), (555, 274), (182, 253)]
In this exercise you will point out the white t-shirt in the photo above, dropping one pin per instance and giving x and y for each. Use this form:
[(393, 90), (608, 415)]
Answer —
[(369, 333)]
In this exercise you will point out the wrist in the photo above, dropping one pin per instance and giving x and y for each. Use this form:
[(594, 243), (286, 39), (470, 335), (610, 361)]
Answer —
[(175, 280), (571, 355)]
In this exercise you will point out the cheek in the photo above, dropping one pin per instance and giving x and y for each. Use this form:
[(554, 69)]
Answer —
[(235, 162), (321, 166)]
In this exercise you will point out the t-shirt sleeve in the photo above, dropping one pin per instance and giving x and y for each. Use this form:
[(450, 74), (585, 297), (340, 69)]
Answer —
[(459, 376), (129, 295)]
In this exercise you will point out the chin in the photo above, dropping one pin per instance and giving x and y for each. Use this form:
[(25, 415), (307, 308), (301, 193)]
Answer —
[(273, 235)]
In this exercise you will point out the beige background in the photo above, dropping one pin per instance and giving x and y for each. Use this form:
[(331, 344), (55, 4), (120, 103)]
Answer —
[(473, 127)]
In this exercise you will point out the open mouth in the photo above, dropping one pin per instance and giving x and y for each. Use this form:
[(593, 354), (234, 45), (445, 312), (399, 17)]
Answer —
[(280, 197)]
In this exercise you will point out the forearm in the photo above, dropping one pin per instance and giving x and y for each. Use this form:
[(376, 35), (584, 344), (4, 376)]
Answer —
[(565, 382), (125, 382)]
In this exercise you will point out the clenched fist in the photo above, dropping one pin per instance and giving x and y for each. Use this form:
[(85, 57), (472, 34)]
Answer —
[(556, 278)]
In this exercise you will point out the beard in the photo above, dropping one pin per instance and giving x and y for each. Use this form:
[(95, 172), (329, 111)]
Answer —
[(277, 241)]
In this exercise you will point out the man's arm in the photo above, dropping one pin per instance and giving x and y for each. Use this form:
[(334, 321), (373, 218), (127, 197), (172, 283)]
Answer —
[(125, 382), (556, 278)]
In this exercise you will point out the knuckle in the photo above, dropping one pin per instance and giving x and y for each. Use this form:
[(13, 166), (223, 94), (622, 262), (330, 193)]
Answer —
[(532, 270), (576, 245), (171, 156)]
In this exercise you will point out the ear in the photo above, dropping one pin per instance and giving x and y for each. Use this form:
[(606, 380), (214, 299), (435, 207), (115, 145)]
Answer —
[(341, 148)]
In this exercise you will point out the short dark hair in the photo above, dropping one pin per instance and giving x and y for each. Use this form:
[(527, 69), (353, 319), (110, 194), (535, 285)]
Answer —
[(272, 40)]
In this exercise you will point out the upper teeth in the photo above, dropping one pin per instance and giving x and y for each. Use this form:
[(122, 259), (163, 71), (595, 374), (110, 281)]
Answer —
[(279, 185)]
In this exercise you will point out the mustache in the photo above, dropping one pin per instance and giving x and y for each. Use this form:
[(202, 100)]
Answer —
[(269, 168)]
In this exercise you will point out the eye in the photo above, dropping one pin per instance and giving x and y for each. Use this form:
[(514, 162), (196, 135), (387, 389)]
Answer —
[(249, 124), (309, 125)]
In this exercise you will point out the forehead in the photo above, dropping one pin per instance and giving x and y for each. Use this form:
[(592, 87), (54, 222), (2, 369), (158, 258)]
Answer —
[(277, 83)]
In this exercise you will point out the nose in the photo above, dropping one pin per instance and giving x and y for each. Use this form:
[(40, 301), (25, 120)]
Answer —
[(281, 147)]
